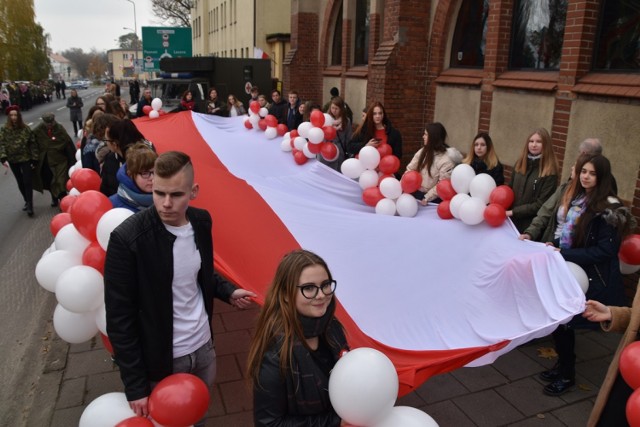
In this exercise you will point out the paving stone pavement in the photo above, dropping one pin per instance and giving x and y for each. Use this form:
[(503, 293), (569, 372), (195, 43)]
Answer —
[(505, 393)]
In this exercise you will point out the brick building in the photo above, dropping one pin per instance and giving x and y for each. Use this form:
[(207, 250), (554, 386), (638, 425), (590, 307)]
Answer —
[(501, 66)]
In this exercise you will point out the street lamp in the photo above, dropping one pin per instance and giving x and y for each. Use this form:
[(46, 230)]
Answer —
[(135, 31)]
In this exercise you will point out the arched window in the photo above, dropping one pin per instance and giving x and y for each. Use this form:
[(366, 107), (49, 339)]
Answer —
[(618, 38), (361, 26), (537, 34), (470, 36), (336, 44)]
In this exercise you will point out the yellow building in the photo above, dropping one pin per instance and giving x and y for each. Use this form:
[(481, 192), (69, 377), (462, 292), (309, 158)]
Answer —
[(122, 62)]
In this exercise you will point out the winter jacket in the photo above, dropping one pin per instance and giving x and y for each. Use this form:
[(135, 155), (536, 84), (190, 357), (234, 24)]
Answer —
[(441, 168), (394, 139), (110, 166), (530, 191), (88, 156), (56, 146), (138, 278), (497, 172), (18, 145), (75, 104), (543, 226)]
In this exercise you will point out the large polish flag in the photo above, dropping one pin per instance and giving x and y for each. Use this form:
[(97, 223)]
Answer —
[(433, 295)]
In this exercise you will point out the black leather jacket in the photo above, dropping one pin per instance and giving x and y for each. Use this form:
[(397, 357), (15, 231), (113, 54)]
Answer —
[(138, 279)]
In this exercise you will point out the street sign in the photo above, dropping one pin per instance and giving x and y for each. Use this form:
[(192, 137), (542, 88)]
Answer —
[(161, 42)]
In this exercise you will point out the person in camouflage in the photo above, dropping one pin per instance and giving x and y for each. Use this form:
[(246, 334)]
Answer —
[(57, 152), (18, 148)]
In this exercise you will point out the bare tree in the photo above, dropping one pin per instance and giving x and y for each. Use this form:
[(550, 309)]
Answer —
[(175, 13)]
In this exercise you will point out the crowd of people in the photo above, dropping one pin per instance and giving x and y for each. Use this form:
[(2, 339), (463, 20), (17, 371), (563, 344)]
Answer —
[(298, 339)]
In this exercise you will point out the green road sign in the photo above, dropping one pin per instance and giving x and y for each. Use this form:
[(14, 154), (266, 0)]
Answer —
[(161, 42)]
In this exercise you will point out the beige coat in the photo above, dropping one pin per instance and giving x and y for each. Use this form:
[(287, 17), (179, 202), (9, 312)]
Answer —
[(440, 169), (623, 319)]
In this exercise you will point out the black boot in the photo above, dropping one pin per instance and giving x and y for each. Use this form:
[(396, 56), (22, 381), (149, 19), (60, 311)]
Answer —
[(24, 208), (54, 201), (29, 209)]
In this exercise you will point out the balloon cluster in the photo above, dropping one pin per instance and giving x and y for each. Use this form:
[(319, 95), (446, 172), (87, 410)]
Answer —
[(374, 169), (629, 254), (259, 118), (155, 109), (363, 388), (473, 198), (179, 400), (312, 138), (630, 371)]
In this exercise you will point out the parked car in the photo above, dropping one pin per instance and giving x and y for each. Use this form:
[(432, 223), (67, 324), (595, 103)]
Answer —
[(78, 84)]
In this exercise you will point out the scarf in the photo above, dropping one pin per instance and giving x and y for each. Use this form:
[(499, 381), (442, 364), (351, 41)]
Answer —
[(568, 230), (532, 157), (135, 199), (316, 326)]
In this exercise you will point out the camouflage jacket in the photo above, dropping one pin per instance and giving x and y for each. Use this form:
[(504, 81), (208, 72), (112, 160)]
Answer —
[(18, 145)]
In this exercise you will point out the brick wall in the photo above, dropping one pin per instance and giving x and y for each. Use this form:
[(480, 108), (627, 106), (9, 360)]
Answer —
[(302, 71)]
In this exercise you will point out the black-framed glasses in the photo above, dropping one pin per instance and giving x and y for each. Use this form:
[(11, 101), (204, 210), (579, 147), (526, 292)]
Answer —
[(146, 174), (310, 291)]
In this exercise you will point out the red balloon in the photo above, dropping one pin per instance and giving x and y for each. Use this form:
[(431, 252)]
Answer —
[(135, 422), (282, 129), (630, 250), (94, 256), (300, 158), (179, 400), (411, 181), (69, 185), (633, 409), (294, 134), (67, 202), (371, 196), (87, 211), (329, 151), (85, 179), (384, 150), (247, 124), (444, 211), (147, 109), (314, 148), (317, 118), (254, 106), (389, 164), (59, 221), (495, 215), (445, 189), (106, 343), (502, 195), (330, 133), (162, 112), (271, 121), (630, 364), (262, 124)]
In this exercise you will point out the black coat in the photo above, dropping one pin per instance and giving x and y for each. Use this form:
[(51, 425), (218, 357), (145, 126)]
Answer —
[(394, 139), (138, 279), (497, 173)]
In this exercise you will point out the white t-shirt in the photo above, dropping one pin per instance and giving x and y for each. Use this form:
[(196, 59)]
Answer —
[(190, 322)]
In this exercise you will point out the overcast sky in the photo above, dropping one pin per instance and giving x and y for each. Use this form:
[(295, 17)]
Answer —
[(90, 24)]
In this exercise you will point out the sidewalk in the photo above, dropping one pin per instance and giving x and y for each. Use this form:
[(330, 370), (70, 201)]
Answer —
[(506, 393)]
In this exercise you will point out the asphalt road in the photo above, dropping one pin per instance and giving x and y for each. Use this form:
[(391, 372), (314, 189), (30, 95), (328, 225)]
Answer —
[(25, 307)]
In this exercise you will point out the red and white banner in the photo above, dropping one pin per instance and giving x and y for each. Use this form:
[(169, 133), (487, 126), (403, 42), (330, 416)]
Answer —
[(432, 294)]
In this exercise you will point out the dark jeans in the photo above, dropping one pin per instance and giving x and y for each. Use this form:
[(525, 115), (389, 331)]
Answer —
[(24, 176), (565, 342), (76, 125)]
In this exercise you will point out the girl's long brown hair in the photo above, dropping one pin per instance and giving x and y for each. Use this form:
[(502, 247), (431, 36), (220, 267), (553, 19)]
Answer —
[(548, 162), (436, 143), (367, 128), (279, 318)]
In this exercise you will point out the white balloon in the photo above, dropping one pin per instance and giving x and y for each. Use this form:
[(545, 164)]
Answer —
[(456, 202), (108, 222), (316, 135), (101, 318), (70, 239), (369, 156), (80, 133), (472, 211), (367, 179), (303, 129), (74, 328), (285, 145), (263, 112), (78, 165), (156, 104), (628, 268), (153, 114), (390, 188), (52, 265), (271, 132), (78, 154), (481, 186), (580, 275), (407, 205), (406, 416), (254, 119), (328, 120), (106, 411), (461, 178), (352, 168), (386, 207), (72, 169), (363, 386), (80, 289), (299, 142), (287, 135), (306, 152), (74, 192)]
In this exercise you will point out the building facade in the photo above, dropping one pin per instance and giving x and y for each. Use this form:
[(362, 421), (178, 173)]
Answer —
[(122, 64), (500, 66)]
